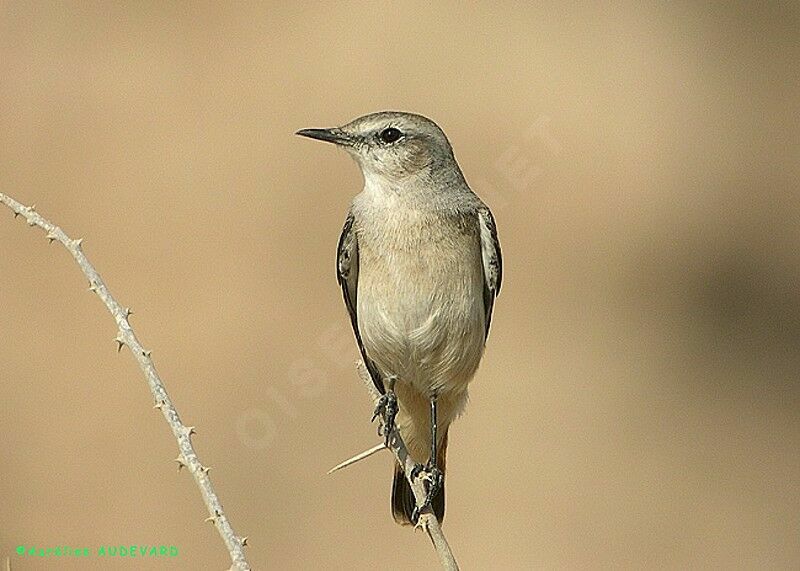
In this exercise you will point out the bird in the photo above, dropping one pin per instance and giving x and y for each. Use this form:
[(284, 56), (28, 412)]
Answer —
[(419, 265)]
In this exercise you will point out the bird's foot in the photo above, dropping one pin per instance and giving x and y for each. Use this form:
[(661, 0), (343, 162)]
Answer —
[(387, 410), (433, 482)]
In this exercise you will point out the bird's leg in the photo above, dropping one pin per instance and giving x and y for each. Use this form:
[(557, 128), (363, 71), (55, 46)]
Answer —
[(386, 408), (430, 471)]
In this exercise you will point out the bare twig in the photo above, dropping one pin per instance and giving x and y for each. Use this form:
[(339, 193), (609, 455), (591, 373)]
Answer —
[(427, 520), (125, 336)]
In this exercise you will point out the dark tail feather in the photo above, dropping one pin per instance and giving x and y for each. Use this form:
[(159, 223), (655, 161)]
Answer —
[(403, 500)]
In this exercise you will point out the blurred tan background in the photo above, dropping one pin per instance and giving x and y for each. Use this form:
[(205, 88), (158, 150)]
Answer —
[(638, 403)]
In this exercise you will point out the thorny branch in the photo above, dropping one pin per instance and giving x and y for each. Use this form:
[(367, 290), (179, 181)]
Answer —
[(125, 336)]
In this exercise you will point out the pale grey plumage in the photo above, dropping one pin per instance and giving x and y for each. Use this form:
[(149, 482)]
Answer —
[(420, 266)]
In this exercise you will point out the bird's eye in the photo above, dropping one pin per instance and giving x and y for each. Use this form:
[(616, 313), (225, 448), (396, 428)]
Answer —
[(390, 135)]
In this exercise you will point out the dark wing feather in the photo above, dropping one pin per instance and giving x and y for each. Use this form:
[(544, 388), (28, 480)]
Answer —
[(492, 262), (347, 276)]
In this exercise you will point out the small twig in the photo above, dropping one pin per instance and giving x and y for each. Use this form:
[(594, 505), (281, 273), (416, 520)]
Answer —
[(126, 336), (358, 457), (427, 520)]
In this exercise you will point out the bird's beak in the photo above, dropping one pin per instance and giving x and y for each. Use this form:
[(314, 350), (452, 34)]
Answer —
[(335, 135)]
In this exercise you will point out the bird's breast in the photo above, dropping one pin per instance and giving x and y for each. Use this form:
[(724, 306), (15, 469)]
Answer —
[(420, 297)]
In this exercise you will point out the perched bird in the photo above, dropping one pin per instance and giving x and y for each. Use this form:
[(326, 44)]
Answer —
[(419, 266)]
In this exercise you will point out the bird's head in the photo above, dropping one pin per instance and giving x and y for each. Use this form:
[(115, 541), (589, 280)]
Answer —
[(390, 145)]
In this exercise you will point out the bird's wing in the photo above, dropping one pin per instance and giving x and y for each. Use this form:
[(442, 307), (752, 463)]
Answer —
[(492, 262), (347, 276)]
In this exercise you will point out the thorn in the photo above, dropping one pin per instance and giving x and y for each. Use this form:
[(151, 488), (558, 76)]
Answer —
[(244, 541), (146, 353), (16, 214), (180, 462), (120, 343), (31, 223), (93, 287), (205, 469), (51, 237), (128, 312), (358, 457), (32, 208), (189, 430), (210, 518), (77, 242), (159, 405)]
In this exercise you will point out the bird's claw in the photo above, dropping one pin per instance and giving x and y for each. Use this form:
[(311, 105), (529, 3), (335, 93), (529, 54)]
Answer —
[(387, 410), (433, 482)]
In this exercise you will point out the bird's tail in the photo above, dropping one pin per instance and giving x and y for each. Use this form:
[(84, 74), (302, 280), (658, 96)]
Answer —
[(403, 500)]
